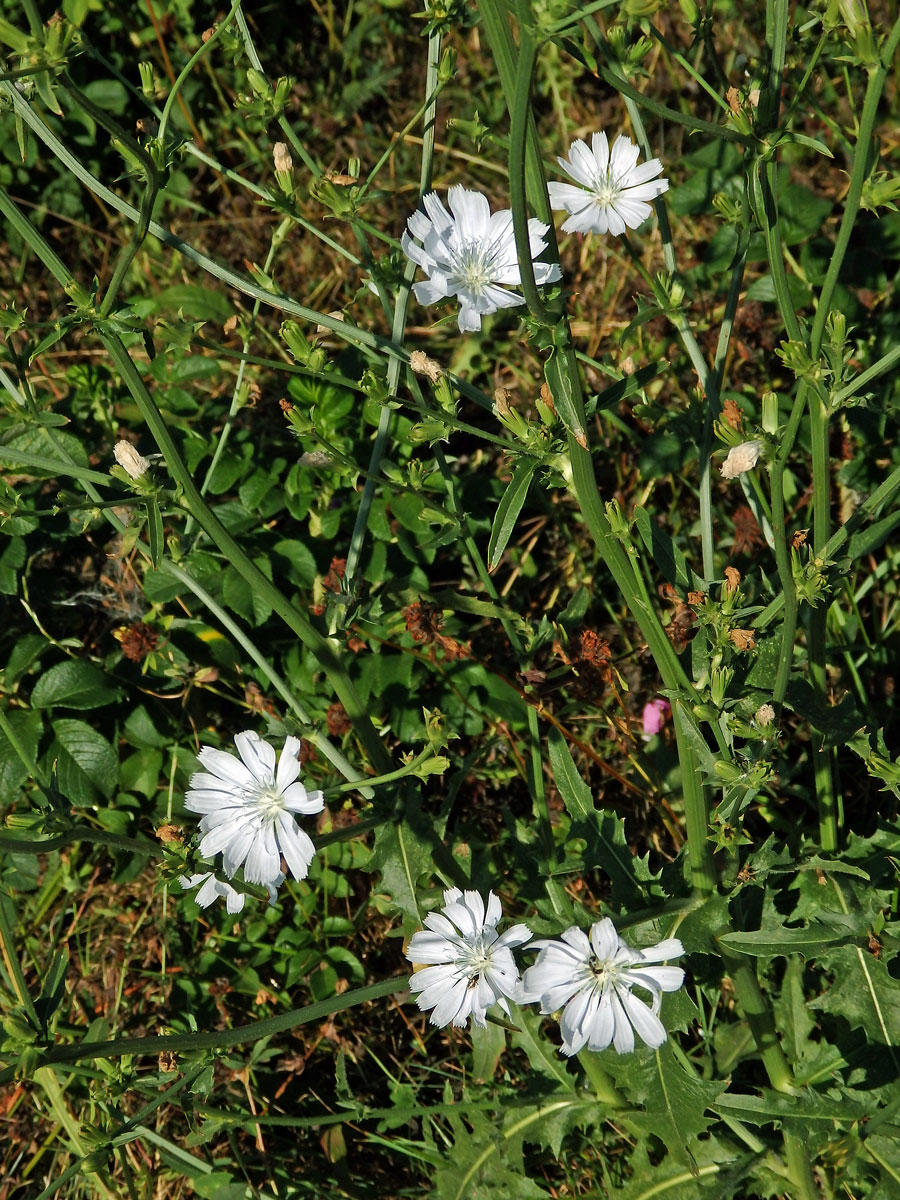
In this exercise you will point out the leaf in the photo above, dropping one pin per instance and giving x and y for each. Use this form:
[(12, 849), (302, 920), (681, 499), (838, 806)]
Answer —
[(402, 853), (603, 832), (73, 684), (564, 396), (487, 1046), (864, 994), (809, 1114), (675, 1101), (508, 510), (665, 554), (541, 1053), (85, 757), (715, 1175), (482, 1165), (12, 558), (27, 726), (154, 531), (768, 943)]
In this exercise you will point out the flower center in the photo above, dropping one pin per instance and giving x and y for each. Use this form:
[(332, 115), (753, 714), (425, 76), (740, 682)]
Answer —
[(476, 960), (475, 267), (269, 801), (606, 189), (605, 972)]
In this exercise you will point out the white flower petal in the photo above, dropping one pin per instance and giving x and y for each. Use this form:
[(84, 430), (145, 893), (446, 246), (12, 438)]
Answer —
[(470, 255), (247, 808), (613, 190), (590, 978), (647, 1025), (258, 756), (471, 967)]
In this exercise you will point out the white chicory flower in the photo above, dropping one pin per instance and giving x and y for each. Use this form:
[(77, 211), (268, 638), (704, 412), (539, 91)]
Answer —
[(611, 192), (469, 966), (471, 254), (248, 807), (590, 977), (211, 888)]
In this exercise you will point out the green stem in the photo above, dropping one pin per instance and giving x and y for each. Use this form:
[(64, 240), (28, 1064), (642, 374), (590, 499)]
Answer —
[(782, 554), (398, 325), (223, 1039), (518, 134), (194, 503), (79, 833), (864, 141), (584, 482)]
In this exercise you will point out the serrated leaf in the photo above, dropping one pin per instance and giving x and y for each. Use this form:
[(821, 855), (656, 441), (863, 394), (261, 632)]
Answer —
[(716, 1175), (485, 1166), (675, 1102), (73, 684), (508, 510), (543, 1057), (809, 1114), (603, 832), (767, 943), (402, 852), (864, 994)]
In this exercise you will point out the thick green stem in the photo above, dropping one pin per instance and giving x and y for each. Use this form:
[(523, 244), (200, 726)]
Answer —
[(762, 1027), (584, 484)]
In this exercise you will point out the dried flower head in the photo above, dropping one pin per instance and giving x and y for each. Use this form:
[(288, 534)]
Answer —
[(740, 459), (130, 461)]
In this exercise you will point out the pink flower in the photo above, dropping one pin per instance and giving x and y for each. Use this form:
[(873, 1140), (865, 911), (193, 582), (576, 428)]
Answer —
[(654, 716)]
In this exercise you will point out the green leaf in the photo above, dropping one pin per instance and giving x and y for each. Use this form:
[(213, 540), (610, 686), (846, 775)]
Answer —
[(508, 510), (301, 564), (864, 994), (603, 832), (12, 558), (73, 684), (154, 531), (665, 554), (26, 650), (402, 852), (563, 394), (85, 758), (768, 943), (542, 1055), (487, 1046), (141, 732), (810, 1113), (675, 1101), (27, 727)]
